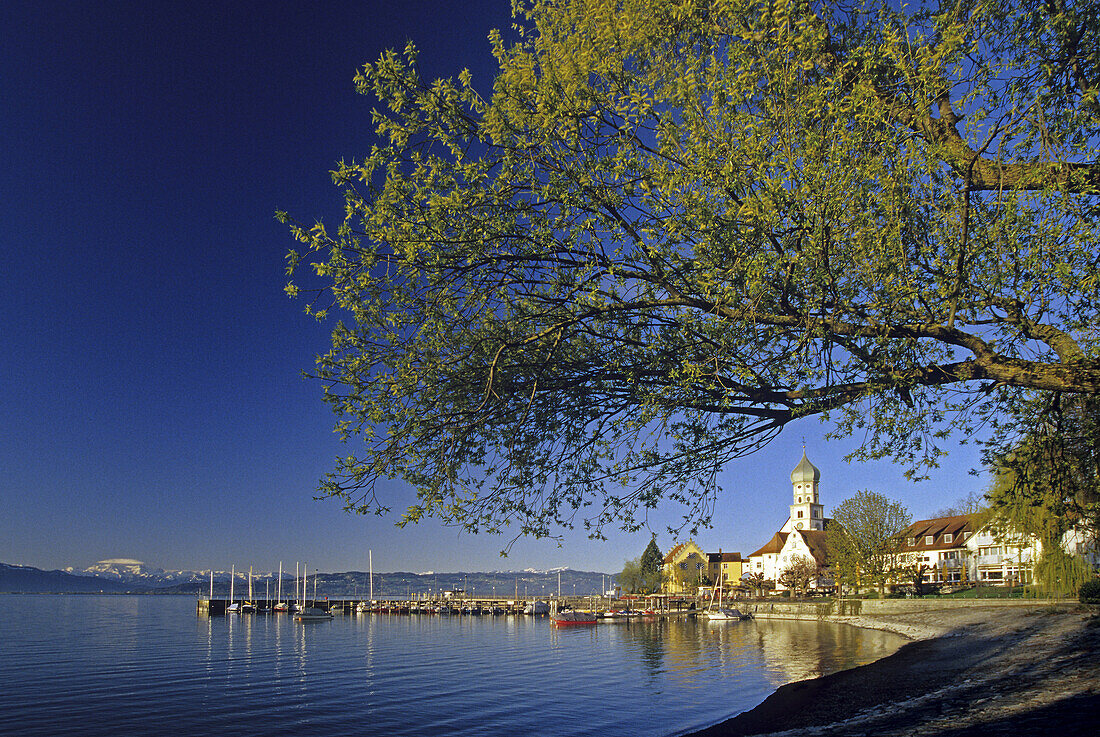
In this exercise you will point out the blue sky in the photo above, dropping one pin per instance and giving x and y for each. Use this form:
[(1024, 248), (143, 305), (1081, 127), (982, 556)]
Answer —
[(150, 364)]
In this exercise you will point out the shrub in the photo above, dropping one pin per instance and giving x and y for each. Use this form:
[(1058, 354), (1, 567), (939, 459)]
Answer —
[(1089, 592)]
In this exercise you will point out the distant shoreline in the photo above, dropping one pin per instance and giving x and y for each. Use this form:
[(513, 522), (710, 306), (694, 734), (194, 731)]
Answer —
[(980, 670)]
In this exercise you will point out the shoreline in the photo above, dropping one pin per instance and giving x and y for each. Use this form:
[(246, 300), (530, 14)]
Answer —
[(975, 670)]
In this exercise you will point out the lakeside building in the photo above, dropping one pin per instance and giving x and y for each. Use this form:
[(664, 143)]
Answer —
[(964, 550), (725, 569), (683, 566), (803, 535), (961, 549), (686, 564)]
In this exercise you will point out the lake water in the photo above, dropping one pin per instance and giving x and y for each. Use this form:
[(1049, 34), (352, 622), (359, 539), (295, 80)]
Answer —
[(147, 665)]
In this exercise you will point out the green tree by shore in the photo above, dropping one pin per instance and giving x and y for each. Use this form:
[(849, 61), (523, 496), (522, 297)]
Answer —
[(672, 228), (865, 539)]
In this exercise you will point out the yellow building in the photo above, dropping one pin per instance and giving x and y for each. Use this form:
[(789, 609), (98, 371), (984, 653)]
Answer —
[(725, 569), (683, 567)]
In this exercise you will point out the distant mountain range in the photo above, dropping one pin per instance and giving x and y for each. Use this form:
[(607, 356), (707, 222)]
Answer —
[(121, 575), (28, 580)]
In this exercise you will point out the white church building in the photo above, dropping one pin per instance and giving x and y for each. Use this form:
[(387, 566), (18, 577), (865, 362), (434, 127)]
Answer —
[(802, 535)]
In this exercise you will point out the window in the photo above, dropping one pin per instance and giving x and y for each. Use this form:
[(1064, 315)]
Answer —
[(817, 512), (947, 537), (929, 539), (799, 500), (800, 513), (912, 541)]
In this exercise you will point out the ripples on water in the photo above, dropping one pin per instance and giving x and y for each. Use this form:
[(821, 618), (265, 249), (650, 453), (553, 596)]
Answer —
[(147, 665)]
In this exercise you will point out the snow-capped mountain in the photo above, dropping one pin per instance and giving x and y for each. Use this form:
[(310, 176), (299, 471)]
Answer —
[(131, 571)]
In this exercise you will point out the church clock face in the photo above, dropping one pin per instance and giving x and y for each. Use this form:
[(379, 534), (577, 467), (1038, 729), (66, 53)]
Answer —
[(798, 526)]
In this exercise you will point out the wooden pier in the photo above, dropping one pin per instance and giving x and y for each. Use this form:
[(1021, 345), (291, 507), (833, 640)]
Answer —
[(441, 607)]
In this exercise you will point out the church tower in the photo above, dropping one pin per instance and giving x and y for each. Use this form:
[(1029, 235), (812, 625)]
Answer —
[(806, 512)]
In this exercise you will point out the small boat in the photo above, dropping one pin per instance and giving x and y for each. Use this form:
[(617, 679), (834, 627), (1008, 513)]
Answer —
[(282, 606), (571, 617), (721, 613), (312, 614), (537, 608)]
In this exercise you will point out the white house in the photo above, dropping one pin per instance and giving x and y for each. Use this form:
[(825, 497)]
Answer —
[(961, 549), (802, 535)]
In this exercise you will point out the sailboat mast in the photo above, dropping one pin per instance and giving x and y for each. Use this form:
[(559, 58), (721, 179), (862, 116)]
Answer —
[(280, 594), (370, 568), (232, 579)]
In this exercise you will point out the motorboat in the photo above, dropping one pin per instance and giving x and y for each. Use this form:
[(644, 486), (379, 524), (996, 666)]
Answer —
[(537, 607), (572, 618), (312, 614)]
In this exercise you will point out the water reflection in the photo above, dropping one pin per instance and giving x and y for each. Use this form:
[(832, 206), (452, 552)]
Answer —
[(691, 652), (126, 665)]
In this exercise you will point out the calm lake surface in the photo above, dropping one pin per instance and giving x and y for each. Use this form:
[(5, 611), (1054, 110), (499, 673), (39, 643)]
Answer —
[(147, 665)]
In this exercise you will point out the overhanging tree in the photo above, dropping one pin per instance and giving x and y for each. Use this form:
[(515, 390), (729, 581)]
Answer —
[(676, 226)]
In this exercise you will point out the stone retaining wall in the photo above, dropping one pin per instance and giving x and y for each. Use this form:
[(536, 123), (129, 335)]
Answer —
[(858, 607), (902, 616)]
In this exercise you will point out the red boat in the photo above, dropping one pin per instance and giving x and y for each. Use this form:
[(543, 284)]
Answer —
[(569, 619)]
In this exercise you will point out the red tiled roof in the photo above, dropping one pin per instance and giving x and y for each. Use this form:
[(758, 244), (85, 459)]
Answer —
[(817, 542), (960, 527), (671, 557), (772, 546)]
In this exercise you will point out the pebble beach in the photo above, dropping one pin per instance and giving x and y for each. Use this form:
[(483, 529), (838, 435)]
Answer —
[(977, 670)]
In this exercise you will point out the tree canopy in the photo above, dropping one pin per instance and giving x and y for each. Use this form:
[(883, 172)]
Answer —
[(865, 539), (674, 226), (798, 574), (652, 560), (1047, 457)]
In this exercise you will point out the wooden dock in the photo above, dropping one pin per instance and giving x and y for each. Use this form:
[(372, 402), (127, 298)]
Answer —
[(438, 607)]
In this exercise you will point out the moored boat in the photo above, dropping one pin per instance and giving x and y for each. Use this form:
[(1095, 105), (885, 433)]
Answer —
[(536, 607), (312, 614), (721, 613), (572, 618)]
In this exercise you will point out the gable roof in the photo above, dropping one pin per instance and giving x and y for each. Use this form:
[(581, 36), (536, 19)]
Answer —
[(723, 557), (817, 542), (680, 548), (670, 557), (774, 545), (960, 527)]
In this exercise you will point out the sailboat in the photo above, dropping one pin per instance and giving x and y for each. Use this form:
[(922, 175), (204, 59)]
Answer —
[(312, 613), (234, 607), (719, 613), (249, 607), (280, 605)]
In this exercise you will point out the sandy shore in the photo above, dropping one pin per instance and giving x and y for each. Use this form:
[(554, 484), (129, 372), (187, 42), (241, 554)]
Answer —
[(971, 671)]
